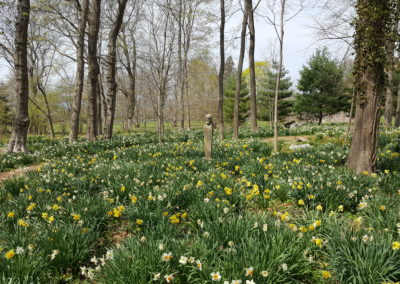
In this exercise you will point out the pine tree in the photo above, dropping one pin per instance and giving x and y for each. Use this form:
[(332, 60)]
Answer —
[(244, 107), (266, 92), (321, 86)]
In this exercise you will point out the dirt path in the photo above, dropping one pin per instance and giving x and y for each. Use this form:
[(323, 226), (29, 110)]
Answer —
[(290, 138), (17, 172)]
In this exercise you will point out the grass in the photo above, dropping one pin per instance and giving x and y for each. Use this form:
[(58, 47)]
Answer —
[(131, 211)]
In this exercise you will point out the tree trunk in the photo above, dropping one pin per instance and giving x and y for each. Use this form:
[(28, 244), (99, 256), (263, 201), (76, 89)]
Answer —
[(369, 81), (93, 35), (111, 70), (279, 75), (353, 101), (397, 122), (180, 66), (239, 71), (253, 90), (131, 70), (221, 72), (21, 121), (388, 115), (80, 73)]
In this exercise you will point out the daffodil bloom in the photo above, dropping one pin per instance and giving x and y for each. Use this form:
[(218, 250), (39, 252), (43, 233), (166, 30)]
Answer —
[(76, 217), (326, 274), (169, 278), (396, 246), (22, 223), (319, 207), (301, 202), (215, 276), (249, 271), (10, 214), (166, 256), (139, 222), (199, 265), (10, 254)]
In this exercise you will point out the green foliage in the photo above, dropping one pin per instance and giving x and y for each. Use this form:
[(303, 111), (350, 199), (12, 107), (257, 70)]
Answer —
[(266, 93), (229, 100), (120, 205), (321, 87)]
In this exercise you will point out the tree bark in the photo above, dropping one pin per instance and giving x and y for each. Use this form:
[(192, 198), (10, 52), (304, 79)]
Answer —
[(111, 70), (388, 114), (131, 70), (279, 75), (397, 121), (21, 121), (221, 72), (93, 35), (80, 73), (239, 71), (370, 36), (180, 67), (253, 90)]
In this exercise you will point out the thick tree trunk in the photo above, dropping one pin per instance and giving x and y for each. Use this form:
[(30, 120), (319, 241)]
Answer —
[(21, 121), (93, 35), (221, 72), (80, 73), (369, 81), (111, 70), (253, 90), (239, 71)]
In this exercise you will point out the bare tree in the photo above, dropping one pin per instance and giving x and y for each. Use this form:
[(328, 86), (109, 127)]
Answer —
[(221, 71), (253, 89), (111, 69), (80, 69), (280, 32), (240, 70), (21, 121), (93, 35)]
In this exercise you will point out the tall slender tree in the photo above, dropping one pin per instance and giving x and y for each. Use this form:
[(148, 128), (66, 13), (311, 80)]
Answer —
[(253, 89), (371, 30), (80, 69), (221, 71), (111, 69), (240, 70), (21, 121)]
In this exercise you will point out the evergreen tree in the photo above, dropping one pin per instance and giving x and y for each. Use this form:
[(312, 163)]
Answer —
[(321, 86), (229, 101), (266, 93)]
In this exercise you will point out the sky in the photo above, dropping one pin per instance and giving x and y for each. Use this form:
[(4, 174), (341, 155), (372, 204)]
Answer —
[(300, 41)]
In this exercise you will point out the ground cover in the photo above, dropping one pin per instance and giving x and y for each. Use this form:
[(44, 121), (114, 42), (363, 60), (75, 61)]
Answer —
[(131, 211)]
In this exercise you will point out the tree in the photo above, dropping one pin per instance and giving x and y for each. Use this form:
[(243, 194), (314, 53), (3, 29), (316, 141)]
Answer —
[(21, 121), (370, 37), (94, 69), (253, 91), (221, 71), (321, 87), (266, 93), (230, 95), (80, 70), (240, 69), (111, 69)]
